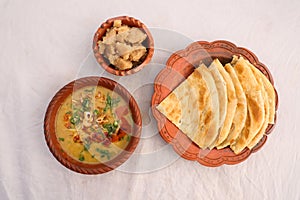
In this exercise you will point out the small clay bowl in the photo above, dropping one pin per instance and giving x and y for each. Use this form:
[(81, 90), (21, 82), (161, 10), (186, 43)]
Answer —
[(50, 121), (178, 67), (131, 22)]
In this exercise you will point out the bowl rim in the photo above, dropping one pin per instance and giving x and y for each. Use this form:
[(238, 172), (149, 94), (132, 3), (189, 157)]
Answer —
[(102, 30), (50, 119), (216, 48)]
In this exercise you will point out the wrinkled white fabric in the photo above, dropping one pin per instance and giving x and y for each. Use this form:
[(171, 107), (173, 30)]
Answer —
[(43, 45)]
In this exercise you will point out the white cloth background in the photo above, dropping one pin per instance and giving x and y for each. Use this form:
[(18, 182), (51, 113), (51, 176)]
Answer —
[(43, 44)]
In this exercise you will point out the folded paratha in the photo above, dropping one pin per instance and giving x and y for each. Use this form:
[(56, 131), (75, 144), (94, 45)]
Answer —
[(220, 106), (213, 129), (193, 107), (221, 88), (240, 114), (268, 87), (231, 105), (259, 77), (262, 131), (255, 105)]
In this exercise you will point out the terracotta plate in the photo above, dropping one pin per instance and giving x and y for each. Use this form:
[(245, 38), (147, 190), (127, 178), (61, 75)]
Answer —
[(50, 117), (178, 67)]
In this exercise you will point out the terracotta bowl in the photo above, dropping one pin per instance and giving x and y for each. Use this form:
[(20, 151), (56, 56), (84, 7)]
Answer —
[(131, 22), (50, 120), (178, 67)]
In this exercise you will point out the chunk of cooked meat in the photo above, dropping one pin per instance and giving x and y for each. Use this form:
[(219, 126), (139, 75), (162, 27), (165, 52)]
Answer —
[(122, 45), (135, 35)]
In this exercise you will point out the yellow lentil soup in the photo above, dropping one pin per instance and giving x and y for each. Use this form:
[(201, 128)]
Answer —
[(94, 125)]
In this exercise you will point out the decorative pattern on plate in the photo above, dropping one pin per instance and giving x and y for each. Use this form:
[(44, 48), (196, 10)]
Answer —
[(178, 67), (50, 117)]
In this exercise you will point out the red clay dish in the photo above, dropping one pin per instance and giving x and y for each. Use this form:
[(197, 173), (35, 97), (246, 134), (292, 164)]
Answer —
[(178, 67), (50, 122), (131, 22)]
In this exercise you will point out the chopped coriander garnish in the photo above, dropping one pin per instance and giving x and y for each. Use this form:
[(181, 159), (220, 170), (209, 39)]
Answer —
[(108, 99), (86, 147), (81, 157), (86, 104), (75, 119), (111, 102), (103, 153), (86, 144), (110, 128), (61, 139), (96, 112)]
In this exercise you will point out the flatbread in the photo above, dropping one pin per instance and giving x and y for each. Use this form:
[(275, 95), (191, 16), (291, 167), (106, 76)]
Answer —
[(192, 109), (262, 131), (213, 130), (268, 87), (255, 105), (222, 90), (176, 106), (220, 106), (231, 105), (222, 94), (240, 114)]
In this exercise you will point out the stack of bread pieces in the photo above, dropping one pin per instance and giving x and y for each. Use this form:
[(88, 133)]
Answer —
[(219, 106)]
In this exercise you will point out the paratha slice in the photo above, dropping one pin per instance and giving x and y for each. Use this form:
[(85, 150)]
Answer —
[(262, 131), (255, 105), (176, 106), (190, 107), (231, 105), (269, 89), (240, 114), (221, 87), (222, 94), (209, 138)]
